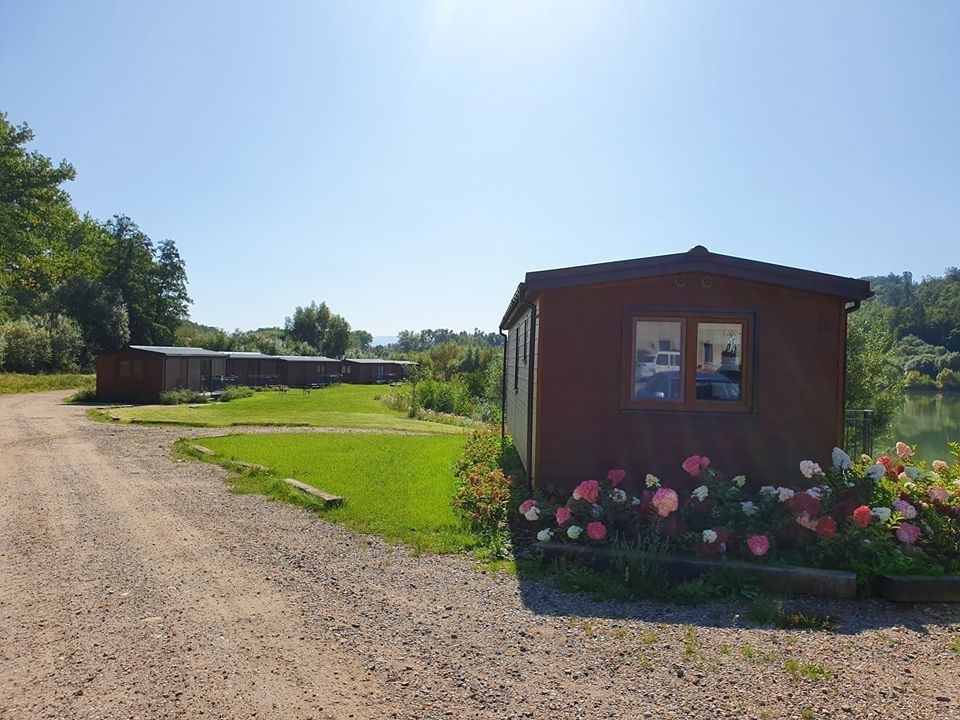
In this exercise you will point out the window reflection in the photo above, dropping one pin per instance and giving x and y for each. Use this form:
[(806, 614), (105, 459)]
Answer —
[(719, 361), (657, 360)]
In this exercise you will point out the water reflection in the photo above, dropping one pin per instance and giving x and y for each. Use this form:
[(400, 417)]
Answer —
[(927, 420)]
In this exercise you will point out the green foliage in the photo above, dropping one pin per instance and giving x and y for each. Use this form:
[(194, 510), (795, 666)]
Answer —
[(236, 393), (873, 380), (26, 346), (182, 397), (320, 329), (483, 488), (22, 383), (769, 611)]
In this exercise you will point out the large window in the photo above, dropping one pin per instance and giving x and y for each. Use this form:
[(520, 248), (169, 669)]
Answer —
[(687, 361)]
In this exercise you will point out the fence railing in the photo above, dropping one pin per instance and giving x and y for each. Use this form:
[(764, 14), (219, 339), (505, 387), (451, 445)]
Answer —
[(858, 432)]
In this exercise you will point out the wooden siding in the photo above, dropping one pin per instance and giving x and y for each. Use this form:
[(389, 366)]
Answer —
[(582, 430), (518, 385)]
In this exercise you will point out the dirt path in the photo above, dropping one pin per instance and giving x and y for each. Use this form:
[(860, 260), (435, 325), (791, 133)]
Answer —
[(136, 586)]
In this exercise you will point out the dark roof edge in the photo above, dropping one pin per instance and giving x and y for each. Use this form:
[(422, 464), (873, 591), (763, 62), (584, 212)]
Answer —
[(699, 258), (515, 301)]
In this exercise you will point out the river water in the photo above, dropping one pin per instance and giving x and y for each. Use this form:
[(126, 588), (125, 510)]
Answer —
[(927, 420)]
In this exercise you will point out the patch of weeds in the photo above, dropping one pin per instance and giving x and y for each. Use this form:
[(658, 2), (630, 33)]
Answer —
[(586, 626), (807, 671), (806, 714), (620, 633), (725, 649), (764, 714), (955, 646), (791, 639), (765, 611), (748, 652), (576, 577), (691, 644), (645, 663), (649, 638)]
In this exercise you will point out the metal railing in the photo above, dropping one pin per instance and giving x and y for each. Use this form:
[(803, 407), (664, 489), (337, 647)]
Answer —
[(858, 432)]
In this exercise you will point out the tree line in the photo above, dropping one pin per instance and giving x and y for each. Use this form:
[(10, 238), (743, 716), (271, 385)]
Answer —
[(72, 286)]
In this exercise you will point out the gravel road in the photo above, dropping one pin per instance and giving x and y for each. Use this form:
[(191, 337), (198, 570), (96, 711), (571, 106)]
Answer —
[(136, 586)]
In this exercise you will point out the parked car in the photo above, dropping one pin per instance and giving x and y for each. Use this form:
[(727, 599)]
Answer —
[(710, 386), (646, 366)]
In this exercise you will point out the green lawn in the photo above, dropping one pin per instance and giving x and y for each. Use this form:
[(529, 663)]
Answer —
[(348, 406), (396, 486), (21, 383)]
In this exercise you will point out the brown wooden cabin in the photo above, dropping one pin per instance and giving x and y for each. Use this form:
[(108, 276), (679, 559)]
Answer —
[(640, 363), (368, 371), (140, 373), (252, 369), (308, 371)]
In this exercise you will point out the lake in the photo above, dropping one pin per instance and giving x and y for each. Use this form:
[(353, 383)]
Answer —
[(927, 420)]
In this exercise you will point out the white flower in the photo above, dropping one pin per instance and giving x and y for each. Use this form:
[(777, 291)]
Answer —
[(709, 536), (840, 459), (618, 496), (635, 501), (815, 492), (573, 532), (576, 494), (882, 513), (701, 493), (785, 493), (652, 481), (876, 472), (740, 480), (533, 514), (912, 472), (903, 477), (768, 490), (808, 468), (748, 508), (545, 534), (909, 486), (596, 511)]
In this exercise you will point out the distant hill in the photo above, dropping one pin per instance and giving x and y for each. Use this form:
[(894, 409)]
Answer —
[(385, 340)]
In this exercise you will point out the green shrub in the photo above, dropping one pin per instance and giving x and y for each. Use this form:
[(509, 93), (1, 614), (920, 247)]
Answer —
[(236, 393), (483, 493), (918, 381), (181, 397), (27, 347), (948, 379), (451, 396)]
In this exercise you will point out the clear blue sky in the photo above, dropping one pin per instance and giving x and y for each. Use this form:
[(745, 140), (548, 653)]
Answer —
[(409, 162)]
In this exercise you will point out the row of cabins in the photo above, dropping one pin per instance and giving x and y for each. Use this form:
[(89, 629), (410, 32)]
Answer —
[(141, 372)]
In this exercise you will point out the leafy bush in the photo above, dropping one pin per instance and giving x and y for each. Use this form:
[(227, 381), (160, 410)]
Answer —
[(27, 346), (181, 397), (483, 492), (236, 393), (948, 379), (917, 381)]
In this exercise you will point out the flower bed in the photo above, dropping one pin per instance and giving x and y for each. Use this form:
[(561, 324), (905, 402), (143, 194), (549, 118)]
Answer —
[(888, 516)]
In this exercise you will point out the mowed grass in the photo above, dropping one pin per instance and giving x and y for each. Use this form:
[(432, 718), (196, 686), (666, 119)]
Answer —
[(347, 406), (22, 383), (396, 486)]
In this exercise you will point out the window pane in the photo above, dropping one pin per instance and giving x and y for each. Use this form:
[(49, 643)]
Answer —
[(657, 364), (719, 361)]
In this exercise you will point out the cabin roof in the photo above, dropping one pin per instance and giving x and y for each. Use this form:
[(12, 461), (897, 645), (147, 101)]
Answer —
[(305, 358), (697, 259), (380, 361), (178, 351)]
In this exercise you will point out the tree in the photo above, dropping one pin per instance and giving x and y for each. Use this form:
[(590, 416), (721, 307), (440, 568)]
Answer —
[(336, 337), (170, 280), (361, 339), (874, 381)]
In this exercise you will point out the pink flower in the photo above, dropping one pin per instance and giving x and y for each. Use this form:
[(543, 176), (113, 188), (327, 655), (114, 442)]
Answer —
[(938, 494), (616, 477), (596, 531), (759, 545), (665, 501), (804, 520), (694, 464), (886, 461), (904, 450), (588, 490), (908, 533), (862, 516), (905, 509), (940, 466), (527, 505), (563, 515)]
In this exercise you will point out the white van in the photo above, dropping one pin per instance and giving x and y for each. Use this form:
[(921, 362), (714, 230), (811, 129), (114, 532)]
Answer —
[(666, 361)]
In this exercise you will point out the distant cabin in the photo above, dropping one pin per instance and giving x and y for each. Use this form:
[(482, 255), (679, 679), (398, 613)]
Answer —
[(373, 370), (308, 370), (252, 369), (640, 363), (141, 372)]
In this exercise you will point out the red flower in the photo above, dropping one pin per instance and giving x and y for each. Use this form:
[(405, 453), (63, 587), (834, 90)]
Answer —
[(862, 517), (886, 461), (803, 503), (826, 527)]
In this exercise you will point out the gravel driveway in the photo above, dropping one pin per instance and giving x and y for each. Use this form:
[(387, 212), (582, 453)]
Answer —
[(136, 586)]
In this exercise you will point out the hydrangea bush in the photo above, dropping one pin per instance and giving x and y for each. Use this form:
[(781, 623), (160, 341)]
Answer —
[(890, 514)]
